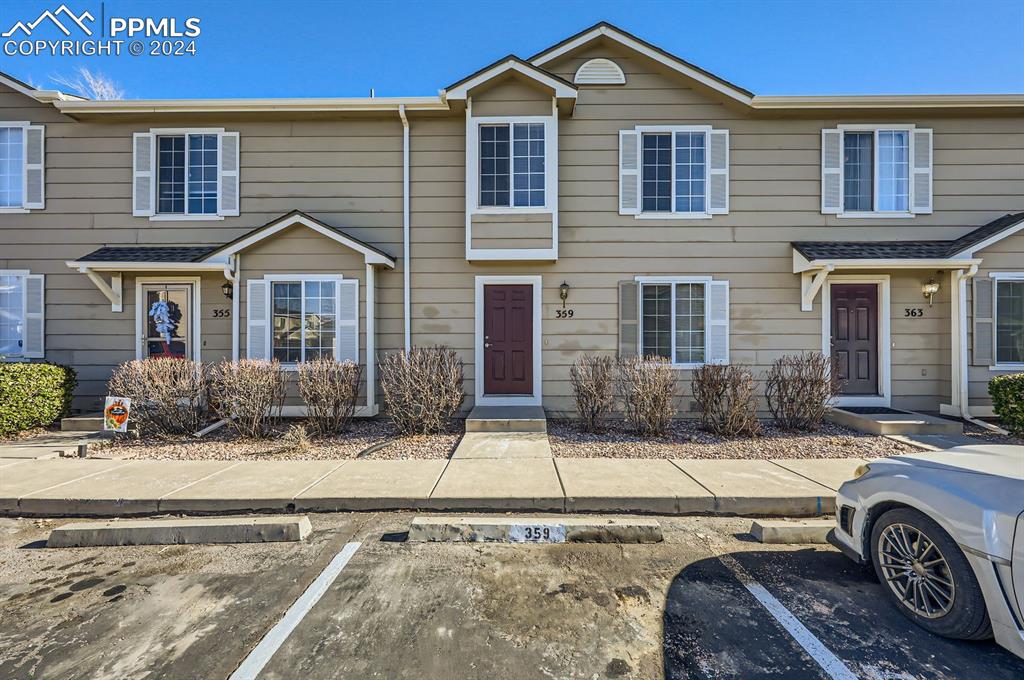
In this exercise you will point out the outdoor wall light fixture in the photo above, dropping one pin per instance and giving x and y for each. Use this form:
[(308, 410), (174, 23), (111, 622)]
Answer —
[(930, 289), (227, 289), (563, 293)]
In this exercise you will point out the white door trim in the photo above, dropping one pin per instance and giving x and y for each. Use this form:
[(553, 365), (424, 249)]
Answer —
[(884, 398), (141, 315), (478, 343)]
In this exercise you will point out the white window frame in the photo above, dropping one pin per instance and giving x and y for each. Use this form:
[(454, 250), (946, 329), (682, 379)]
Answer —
[(996, 278), (673, 214), (19, 357), (875, 128), (157, 133), (481, 398), (19, 210), (271, 279), (673, 280), (884, 397), (550, 159)]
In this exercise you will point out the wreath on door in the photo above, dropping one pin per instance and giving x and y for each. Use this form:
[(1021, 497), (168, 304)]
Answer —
[(166, 317)]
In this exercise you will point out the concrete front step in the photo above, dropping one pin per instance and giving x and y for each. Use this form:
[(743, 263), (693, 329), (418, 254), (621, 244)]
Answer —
[(82, 424), (898, 422), (507, 419)]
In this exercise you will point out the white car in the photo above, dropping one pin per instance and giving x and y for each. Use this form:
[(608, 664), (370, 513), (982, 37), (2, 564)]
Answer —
[(944, 531)]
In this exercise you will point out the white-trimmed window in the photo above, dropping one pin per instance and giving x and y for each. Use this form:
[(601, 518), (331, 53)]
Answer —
[(298, 318), (1009, 320), (185, 174), (512, 165), (684, 320), (22, 182), (21, 315), (673, 171), (876, 170)]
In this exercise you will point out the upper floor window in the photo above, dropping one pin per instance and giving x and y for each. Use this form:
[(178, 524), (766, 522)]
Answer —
[(21, 167), (512, 168), (876, 171), (187, 174)]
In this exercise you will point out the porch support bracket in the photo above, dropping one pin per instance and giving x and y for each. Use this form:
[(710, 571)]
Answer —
[(114, 291), (810, 283)]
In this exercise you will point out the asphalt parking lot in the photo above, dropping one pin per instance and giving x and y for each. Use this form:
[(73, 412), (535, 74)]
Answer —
[(408, 610)]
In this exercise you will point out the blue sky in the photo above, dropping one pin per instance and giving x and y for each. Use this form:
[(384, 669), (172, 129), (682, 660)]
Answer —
[(307, 48)]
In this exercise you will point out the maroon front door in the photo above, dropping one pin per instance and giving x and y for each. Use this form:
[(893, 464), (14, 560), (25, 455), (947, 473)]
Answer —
[(855, 336), (508, 339)]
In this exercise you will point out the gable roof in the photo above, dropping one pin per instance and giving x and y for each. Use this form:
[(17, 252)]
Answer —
[(459, 90), (605, 29), (964, 246), (371, 254)]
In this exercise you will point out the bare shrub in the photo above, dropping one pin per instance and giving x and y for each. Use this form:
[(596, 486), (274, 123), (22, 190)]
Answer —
[(647, 386), (248, 394), (593, 384), (168, 395), (725, 396), (295, 440), (330, 389), (422, 389), (800, 389)]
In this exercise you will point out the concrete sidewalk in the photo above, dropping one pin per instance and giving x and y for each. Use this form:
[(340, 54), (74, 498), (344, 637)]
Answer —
[(117, 488)]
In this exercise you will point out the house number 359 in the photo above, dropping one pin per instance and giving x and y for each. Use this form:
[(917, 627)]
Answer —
[(564, 313), (913, 312)]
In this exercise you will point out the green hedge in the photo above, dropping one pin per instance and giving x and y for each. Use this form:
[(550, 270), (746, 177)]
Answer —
[(33, 395), (1007, 392)]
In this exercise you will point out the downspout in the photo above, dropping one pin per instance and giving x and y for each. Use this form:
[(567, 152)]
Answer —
[(406, 302), (961, 293), (231, 273)]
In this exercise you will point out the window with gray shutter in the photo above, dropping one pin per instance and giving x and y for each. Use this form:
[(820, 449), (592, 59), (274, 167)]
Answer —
[(983, 336)]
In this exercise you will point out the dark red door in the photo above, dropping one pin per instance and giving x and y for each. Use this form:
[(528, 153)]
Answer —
[(508, 339), (855, 336)]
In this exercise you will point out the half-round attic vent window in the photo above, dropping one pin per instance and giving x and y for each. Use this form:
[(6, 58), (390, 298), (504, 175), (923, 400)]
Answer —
[(600, 72)]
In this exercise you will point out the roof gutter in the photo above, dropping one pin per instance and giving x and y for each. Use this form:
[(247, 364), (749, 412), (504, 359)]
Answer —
[(353, 104), (895, 101), (406, 303)]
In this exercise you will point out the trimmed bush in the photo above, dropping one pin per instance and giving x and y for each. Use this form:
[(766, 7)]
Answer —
[(422, 389), (33, 395), (593, 382), (249, 394), (1007, 392), (800, 389), (725, 396), (330, 389), (168, 395), (647, 386)]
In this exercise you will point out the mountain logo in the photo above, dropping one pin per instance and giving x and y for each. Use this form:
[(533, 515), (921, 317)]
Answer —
[(52, 17)]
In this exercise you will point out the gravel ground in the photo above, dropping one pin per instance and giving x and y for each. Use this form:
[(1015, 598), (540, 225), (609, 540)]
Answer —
[(985, 436), (687, 440), (224, 445)]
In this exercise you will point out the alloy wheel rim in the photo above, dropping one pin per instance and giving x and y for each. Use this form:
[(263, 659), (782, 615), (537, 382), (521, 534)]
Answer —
[(916, 571)]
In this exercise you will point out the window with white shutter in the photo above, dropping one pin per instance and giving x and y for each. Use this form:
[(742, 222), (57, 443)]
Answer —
[(257, 317), (673, 172), (185, 174), (876, 171), (684, 320), (22, 173), (295, 319), (22, 315)]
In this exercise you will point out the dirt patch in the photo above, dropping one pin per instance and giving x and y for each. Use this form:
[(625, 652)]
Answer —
[(367, 439), (687, 440)]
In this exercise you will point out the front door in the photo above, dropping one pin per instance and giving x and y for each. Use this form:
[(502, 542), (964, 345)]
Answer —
[(168, 324), (855, 336), (508, 339)]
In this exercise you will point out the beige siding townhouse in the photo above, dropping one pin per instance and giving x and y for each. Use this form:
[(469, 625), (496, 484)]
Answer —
[(602, 196)]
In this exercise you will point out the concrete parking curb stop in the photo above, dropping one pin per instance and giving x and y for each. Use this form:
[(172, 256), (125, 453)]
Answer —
[(791, 531), (525, 529), (180, 531)]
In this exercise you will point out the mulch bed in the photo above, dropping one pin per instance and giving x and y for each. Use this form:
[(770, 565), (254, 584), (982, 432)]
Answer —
[(222, 444), (686, 439)]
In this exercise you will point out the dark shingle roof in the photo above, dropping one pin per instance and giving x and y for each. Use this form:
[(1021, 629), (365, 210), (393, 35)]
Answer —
[(904, 250), (148, 254)]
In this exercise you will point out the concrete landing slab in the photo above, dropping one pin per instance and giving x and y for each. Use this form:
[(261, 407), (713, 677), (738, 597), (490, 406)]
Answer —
[(758, 487), (503, 445), (526, 529), (498, 484), (507, 419), (374, 485), (27, 477), (792, 531), (133, 487), (254, 486), (82, 424), (895, 423), (830, 472), (29, 452), (180, 531), (609, 485)]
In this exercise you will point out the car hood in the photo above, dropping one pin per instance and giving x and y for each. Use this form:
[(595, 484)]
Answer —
[(1000, 461)]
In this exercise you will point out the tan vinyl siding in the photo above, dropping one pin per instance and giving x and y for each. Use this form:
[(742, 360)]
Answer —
[(511, 97), (511, 231)]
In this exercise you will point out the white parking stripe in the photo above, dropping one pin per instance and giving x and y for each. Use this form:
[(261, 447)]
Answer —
[(272, 641), (828, 661)]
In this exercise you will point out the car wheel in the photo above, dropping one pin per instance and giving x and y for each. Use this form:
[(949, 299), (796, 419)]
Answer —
[(924, 572)]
